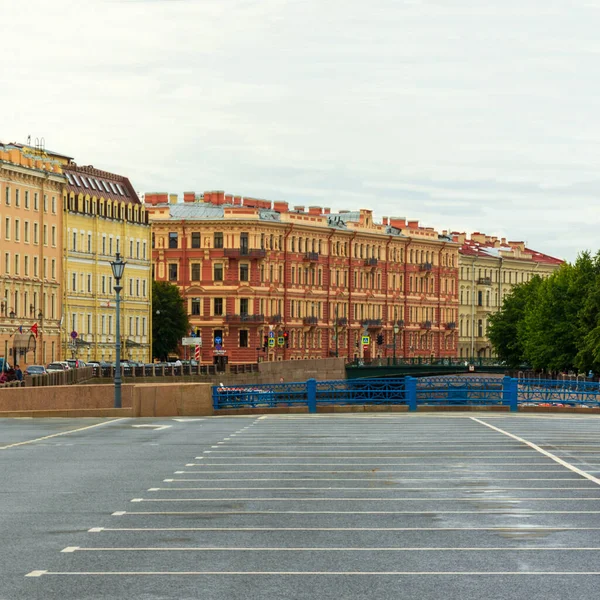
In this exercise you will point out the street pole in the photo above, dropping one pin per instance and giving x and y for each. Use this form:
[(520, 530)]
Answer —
[(118, 266), (118, 289)]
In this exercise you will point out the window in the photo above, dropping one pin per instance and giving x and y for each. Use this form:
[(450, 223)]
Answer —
[(26, 232), (144, 288), (243, 338), (137, 287), (218, 307), (110, 240), (7, 196), (45, 203), (35, 233), (74, 282), (195, 239), (218, 239), (144, 248), (244, 246), (244, 272), (89, 243), (89, 283), (35, 266), (26, 265), (195, 306), (7, 228), (104, 284), (137, 249), (36, 201), (131, 287), (131, 248), (53, 205), (103, 244), (52, 268), (218, 337), (27, 199), (17, 261), (17, 230), (172, 272), (218, 272), (195, 272), (17, 197), (6, 262), (173, 239), (244, 306), (45, 235), (54, 235)]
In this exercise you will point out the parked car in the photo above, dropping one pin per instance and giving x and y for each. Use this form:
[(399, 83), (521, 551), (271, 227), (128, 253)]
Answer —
[(75, 363), (57, 367), (35, 370), (4, 365)]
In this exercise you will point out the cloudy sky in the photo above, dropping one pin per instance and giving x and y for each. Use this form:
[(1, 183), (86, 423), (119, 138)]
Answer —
[(470, 115)]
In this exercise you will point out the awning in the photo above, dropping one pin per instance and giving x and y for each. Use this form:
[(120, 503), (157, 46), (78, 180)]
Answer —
[(24, 341)]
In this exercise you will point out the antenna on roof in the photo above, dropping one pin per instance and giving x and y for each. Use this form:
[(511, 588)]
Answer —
[(29, 140)]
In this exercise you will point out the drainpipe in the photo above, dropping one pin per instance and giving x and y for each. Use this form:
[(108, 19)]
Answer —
[(350, 280), (472, 308), (405, 315), (285, 284)]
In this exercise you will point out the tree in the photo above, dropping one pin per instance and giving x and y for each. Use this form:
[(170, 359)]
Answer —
[(505, 329), (170, 321)]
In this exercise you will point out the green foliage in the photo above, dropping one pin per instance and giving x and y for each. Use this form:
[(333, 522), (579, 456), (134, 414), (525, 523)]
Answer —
[(505, 327), (169, 320), (553, 324)]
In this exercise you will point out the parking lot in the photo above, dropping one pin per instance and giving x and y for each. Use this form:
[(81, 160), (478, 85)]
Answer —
[(460, 505)]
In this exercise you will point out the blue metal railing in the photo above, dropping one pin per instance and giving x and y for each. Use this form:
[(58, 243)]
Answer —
[(412, 392)]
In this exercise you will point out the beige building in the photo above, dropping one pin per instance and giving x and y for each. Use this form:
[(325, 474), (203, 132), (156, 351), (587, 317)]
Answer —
[(489, 267), (31, 184)]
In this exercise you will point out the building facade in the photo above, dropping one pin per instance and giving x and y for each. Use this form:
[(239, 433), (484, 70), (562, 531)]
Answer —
[(31, 183), (102, 216), (265, 282), (489, 268)]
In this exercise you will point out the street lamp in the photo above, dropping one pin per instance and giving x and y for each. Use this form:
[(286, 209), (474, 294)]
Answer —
[(118, 266), (396, 330)]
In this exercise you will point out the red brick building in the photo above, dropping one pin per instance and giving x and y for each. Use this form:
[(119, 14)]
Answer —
[(314, 281)]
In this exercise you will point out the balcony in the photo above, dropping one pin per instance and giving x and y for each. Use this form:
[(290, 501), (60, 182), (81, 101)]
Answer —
[(274, 319), (425, 266), (243, 318), (341, 321), (370, 262), (310, 321), (426, 325), (311, 257), (484, 281), (371, 323), (244, 253), (451, 325)]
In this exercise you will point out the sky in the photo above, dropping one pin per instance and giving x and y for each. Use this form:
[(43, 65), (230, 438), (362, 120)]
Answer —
[(467, 115)]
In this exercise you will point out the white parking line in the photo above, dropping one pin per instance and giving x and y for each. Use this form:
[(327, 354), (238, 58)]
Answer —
[(535, 447), (367, 488), (360, 478), (47, 437), (312, 573), (492, 511), (532, 528), (326, 549), (477, 499)]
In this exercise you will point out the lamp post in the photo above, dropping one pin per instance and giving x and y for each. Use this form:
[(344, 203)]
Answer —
[(396, 330), (118, 266)]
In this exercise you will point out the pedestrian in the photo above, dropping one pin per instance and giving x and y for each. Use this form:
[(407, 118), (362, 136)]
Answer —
[(281, 380), (18, 373), (3, 377)]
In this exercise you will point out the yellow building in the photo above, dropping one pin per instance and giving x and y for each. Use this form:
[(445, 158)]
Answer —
[(31, 184), (103, 216), (489, 268)]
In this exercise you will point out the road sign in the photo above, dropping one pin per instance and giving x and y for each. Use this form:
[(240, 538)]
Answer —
[(218, 341), (271, 334), (280, 341), (191, 341), (366, 340), (73, 334), (272, 342)]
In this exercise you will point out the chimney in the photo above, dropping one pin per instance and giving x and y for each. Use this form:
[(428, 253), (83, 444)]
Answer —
[(207, 197), (220, 197), (237, 200), (398, 222), (299, 208), (413, 224), (314, 210), (326, 210), (280, 207), (172, 198), (189, 196), (228, 199)]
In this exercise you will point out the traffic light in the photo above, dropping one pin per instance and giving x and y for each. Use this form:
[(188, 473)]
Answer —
[(265, 342), (380, 339), (286, 337)]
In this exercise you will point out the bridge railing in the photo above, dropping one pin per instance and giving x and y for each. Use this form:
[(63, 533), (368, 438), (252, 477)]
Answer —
[(412, 392)]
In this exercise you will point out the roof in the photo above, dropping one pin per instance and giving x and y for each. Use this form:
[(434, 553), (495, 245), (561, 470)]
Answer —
[(102, 184), (482, 250)]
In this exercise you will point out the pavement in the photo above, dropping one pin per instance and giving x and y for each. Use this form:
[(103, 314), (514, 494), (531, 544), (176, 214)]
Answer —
[(454, 506)]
